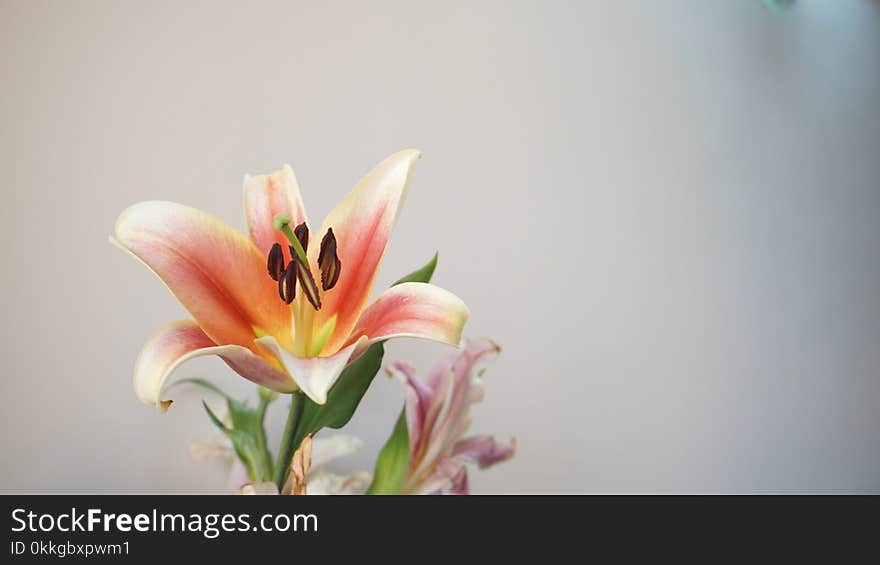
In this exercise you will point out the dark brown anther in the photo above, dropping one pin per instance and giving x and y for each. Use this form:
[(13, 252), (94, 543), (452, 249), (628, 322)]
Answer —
[(276, 262), (309, 288), (287, 283), (328, 261), (302, 234)]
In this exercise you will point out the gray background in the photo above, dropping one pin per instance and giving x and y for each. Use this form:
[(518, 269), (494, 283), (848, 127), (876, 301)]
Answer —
[(666, 213)]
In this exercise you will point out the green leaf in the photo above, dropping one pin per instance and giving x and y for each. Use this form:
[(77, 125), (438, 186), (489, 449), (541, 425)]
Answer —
[(244, 443), (345, 396), (393, 461), (220, 425), (423, 274), (247, 434)]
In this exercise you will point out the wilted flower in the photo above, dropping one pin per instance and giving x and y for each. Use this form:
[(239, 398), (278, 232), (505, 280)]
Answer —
[(438, 416)]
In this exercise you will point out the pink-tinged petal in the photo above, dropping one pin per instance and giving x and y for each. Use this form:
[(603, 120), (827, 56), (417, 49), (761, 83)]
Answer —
[(362, 224), (314, 375), (216, 273), (448, 415), (441, 371), (181, 341), (476, 354), (449, 475), (452, 381), (463, 390), (414, 310), (407, 372), (483, 450), (459, 482), (450, 418), (268, 195), (417, 397), (437, 461)]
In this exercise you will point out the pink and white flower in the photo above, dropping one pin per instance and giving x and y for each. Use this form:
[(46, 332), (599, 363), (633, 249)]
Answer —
[(438, 416)]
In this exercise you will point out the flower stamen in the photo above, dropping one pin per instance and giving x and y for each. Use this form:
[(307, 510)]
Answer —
[(287, 283), (275, 262), (328, 261), (310, 289), (298, 269), (302, 235)]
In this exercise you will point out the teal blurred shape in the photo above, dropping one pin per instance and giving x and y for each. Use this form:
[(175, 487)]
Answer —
[(779, 6)]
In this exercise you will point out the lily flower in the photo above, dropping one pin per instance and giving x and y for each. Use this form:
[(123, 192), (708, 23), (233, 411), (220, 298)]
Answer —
[(438, 416), (256, 321)]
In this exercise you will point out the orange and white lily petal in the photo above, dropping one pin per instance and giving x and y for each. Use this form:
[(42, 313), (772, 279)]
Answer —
[(362, 224), (414, 310), (220, 277), (214, 271), (418, 310), (184, 340), (313, 375), (266, 196)]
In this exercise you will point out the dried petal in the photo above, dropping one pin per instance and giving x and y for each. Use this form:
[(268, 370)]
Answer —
[(299, 469)]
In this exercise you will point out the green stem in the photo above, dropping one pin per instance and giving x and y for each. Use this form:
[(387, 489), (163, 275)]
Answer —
[(265, 455), (286, 449)]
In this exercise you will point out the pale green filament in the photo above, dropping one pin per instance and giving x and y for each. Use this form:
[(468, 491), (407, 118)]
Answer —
[(319, 339), (282, 223)]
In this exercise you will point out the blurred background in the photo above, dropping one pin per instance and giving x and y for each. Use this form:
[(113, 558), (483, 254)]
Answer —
[(667, 213)]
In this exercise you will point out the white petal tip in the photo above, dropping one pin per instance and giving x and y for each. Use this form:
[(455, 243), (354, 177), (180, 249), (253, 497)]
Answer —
[(411, 154)]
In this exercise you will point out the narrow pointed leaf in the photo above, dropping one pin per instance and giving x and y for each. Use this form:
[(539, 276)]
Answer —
[(214, 419), (422, 274), (246, 433), (393, 461)]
